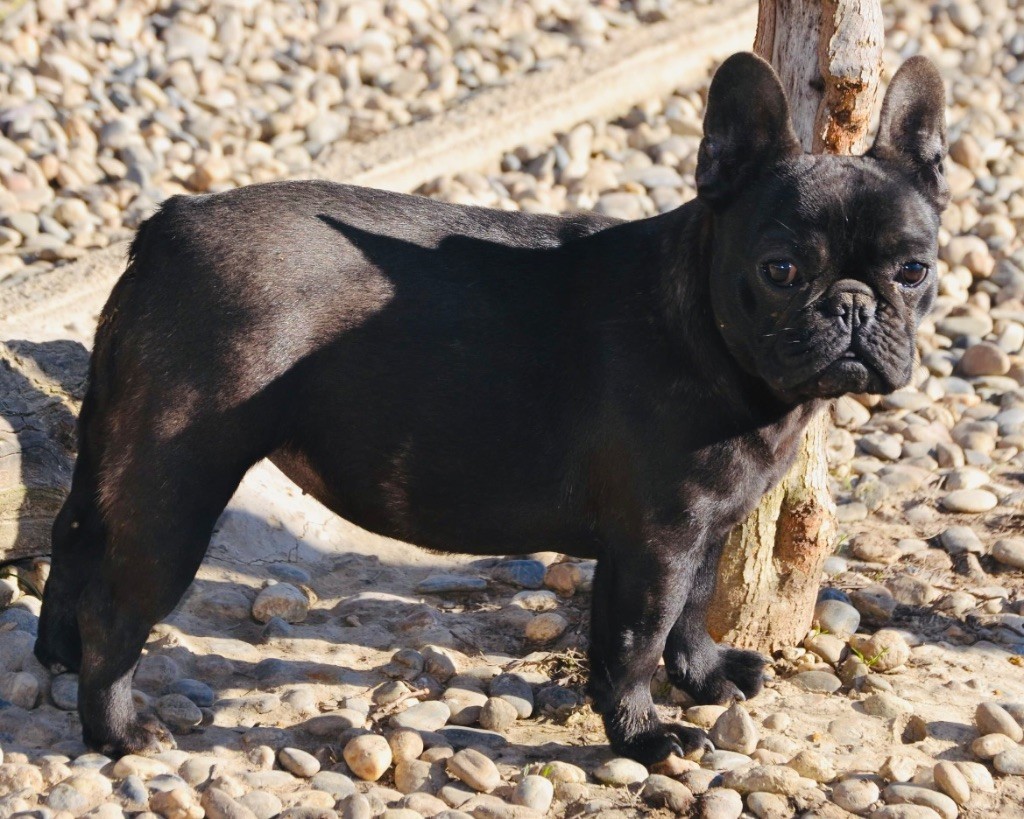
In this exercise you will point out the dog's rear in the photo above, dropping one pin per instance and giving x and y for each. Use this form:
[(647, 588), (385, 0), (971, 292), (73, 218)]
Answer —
[(144, 488)]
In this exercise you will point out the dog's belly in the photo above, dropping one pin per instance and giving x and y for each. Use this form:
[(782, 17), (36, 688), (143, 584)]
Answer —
[(438, 508)]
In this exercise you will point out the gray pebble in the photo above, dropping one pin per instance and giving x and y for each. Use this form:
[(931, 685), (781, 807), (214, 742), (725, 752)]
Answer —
[(820, 681), (424, 716), (179, 712), (451, 584), (515, 691)]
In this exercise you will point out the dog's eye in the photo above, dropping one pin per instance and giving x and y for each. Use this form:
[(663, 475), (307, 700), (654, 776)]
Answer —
[(912, 274), (781, 274)]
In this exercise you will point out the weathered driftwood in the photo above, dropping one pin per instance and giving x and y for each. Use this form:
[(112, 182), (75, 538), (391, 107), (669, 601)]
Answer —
[(41, 387), (828, 54)]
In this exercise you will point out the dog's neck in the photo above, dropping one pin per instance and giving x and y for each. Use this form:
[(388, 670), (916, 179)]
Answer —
[(663, 265)]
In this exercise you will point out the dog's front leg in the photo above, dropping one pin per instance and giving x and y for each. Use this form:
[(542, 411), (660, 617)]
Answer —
[(707, 671), (639, 594)]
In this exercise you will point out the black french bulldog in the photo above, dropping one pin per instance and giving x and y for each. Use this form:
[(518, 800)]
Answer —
[(487, 382)]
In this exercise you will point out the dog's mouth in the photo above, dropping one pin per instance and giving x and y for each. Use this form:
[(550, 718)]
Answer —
[(849, 372)]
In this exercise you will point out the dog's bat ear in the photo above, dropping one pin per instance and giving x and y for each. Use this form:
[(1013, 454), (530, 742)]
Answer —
[(746, 127), (912, 127)]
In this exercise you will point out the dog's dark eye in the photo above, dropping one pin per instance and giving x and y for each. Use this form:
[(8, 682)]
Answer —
[(912, 274), (781, 274)]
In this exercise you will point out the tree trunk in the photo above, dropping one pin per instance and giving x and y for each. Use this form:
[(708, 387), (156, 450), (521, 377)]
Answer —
[(41, 387), (828, 54)]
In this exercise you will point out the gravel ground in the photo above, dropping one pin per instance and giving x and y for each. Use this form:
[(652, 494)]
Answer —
[(107, 108), (365, 678)]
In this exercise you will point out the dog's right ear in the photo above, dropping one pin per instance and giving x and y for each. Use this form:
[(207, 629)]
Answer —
[(912, 127), (746, 127)]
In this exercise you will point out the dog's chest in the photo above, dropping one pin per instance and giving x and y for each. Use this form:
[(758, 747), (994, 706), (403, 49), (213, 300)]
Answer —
[(720, 483)]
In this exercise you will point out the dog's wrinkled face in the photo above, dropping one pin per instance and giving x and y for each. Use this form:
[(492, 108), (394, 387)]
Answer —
[(822, 266)]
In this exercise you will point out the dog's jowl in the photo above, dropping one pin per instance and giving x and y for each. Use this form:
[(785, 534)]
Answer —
[(489, 382)]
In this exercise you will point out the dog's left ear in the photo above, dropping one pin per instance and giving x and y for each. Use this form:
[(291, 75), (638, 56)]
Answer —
[(912, 127), (746, 127)]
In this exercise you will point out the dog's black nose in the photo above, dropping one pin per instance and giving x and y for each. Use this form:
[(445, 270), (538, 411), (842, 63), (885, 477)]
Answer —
[(852, 302)]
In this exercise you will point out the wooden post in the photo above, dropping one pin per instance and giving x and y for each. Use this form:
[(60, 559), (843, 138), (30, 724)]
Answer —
[(41, 387), (828, 54)]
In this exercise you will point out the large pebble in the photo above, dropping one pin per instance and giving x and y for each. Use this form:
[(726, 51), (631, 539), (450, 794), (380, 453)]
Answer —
[(915, 795), (498, 714), (620, 771), (665, 792), (199, 692), (984, 358), (405, 743), (424, 716), (516, 691), (992, 718), (735, 731), (417, 775), (560, 772), (141, 766), (179, 712), (958, 540), (438, 662), (178, 803), (265, 805), (465, 704), (970, 501), (769, 806), (819, 681), (281, 600), (534, 792), (724, 760), (336, 784), (20, 688), (898, 768), (546, 627), (543, 600), (813, 765), (1010, 761), (79, 794), (219, 805), (474, 769), (64, 691), (368, 756), (563, 578), (769, 778), (526, 574), (885, 650), (451, 584), (991, 745), (977, 775), (856, 794), (721, 803), (951, 781), (459, 737), (298, 762), (1009, 552), (886, 705)]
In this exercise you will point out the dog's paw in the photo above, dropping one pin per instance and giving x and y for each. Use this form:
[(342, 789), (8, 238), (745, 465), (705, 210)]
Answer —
[(744, 670), (663, 741), (146, 735), (734, 675)]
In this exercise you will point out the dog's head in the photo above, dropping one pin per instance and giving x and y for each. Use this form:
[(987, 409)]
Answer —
[(821, 266)]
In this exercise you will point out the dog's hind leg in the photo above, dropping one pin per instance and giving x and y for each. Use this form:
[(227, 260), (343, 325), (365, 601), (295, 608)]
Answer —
[(77, 548), (159, 506), (696, 664)]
